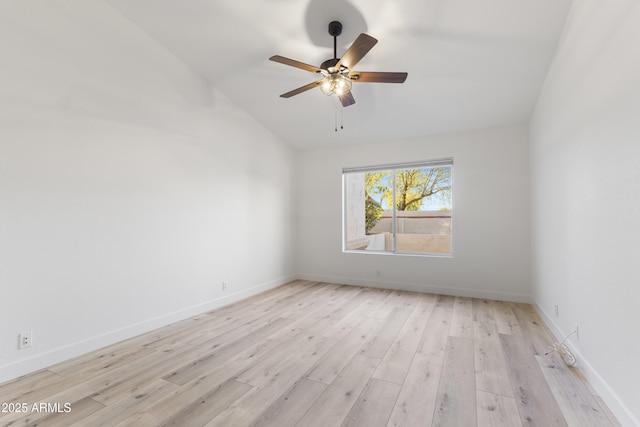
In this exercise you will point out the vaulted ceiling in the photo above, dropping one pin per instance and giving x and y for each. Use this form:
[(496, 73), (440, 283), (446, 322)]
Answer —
[(472, 64)]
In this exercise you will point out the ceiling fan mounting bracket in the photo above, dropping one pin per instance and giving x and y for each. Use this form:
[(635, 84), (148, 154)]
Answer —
[(335, 28)]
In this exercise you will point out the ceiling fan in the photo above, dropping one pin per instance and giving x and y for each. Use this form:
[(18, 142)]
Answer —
[(337, 74)]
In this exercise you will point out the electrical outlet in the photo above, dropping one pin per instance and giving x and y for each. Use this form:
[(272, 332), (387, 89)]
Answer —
[(577, 332), (25, 340), (557, 310), (224, 286)]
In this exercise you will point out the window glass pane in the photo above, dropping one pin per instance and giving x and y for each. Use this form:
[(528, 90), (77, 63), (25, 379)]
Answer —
[(378, 204), (423, 210)]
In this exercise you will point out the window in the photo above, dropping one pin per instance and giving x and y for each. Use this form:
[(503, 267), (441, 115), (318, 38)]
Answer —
[(402, 209)]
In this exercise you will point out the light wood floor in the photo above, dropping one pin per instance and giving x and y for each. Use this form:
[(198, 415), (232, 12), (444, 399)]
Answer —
[(317, 354)]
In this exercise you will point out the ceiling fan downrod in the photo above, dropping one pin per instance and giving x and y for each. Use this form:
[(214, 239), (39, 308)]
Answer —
[(335, 29)]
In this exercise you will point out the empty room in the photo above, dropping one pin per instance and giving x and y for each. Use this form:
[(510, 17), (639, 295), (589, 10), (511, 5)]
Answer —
[(319, 213)]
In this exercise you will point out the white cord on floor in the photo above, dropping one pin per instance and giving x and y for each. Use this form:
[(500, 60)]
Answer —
[(565, 354)]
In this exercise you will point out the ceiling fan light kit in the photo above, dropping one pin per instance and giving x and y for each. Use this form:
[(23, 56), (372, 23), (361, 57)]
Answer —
[(337, 75), (335, 84)]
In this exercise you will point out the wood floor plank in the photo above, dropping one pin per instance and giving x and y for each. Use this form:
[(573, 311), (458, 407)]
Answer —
[(266, 366), (156, 368), (291, 368), (374, 405), (538, 335), (494, 410), (332, 407), (482, 310), (212, 334), (351, 302), (183, 397), (109, 359), (536, 404), (372, 302), (228, 329), (221, 352), (576, 402), (336, 310), (456, 401), (607, 411), (193, 390), (312, 298), (434, 343), (177, 333), (209, 405), (299, 324), (462, 318), (289, 307), (387, 305), (251, 405), (329, 366), (282, 293), (378, 345), (505, 320), (424, 305), (355, 307), (395, 298), (128, 405), (492, 374), (292, 405), (579, 376), (322, 304), (396, 362), (415, 405)]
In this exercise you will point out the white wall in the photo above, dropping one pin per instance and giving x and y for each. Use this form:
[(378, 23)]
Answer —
[(491, 254), (126, 185), (585, 157)]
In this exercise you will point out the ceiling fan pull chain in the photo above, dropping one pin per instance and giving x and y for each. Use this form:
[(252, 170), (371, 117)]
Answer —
[(338, 106)]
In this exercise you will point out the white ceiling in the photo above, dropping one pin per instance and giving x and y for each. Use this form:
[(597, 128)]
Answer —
[(472, 64)]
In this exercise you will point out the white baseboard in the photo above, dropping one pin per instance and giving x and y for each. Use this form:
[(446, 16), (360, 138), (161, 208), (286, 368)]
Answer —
[(415, 287), (613, 401), (44, 360)]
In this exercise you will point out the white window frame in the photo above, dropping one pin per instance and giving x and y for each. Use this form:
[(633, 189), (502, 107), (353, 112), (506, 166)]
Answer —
[(394, 167)]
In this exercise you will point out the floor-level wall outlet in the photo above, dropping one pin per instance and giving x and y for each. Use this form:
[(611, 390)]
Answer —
[(224, 286), (556, 308), (25, 340)]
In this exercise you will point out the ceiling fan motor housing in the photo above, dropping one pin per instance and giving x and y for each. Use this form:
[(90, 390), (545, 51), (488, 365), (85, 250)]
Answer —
[(329, 63)]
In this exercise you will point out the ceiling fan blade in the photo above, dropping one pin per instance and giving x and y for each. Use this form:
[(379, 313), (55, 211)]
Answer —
[(294, 63), (347, 99), (377, 77), (301, 89), (357, 51)]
